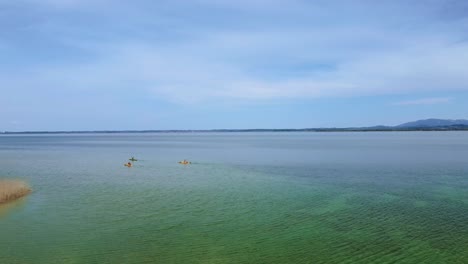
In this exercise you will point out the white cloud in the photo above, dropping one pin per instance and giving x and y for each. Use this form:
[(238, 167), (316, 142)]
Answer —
[(188, 76), (206, 62)]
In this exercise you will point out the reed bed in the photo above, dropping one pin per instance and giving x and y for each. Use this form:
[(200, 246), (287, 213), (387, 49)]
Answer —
[(13, 189)]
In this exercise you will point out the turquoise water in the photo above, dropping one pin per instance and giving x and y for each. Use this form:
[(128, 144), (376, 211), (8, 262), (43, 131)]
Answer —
[(392, 197)]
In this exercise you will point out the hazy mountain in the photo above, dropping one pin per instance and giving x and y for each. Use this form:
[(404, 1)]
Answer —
[(434, 123)]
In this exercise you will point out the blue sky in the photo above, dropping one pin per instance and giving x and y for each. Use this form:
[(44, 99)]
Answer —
[(201, 64)]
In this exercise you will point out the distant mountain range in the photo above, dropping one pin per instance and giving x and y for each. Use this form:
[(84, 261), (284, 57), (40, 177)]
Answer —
[(431, 124), (435, 123), (420, 125)]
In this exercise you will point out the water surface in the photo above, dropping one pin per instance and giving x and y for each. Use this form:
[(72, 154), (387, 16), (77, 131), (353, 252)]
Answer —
[(391, 197)]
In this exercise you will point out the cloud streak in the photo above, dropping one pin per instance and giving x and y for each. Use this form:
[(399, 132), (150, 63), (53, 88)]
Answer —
[(136, 60), (195, 76), (183, 56), (426, 101)]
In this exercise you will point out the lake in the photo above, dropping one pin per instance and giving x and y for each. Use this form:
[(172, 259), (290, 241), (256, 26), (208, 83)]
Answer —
[(301, 197)]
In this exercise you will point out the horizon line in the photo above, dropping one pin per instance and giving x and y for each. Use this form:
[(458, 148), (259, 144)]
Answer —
[(324, 129)]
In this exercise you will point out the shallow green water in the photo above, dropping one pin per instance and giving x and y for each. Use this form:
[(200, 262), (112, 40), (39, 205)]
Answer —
[(248, 198)]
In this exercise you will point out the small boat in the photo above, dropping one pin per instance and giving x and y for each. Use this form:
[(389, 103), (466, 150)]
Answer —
[(132, 159), (128, 164), (185, 162)]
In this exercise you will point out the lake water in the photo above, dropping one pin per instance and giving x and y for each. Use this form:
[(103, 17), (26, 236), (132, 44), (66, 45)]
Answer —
[(391, 197)]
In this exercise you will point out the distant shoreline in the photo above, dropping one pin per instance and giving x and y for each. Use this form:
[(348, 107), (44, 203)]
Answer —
[(370, 129)]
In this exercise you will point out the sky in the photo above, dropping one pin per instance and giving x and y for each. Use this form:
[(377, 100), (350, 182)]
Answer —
[(211, 64)]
